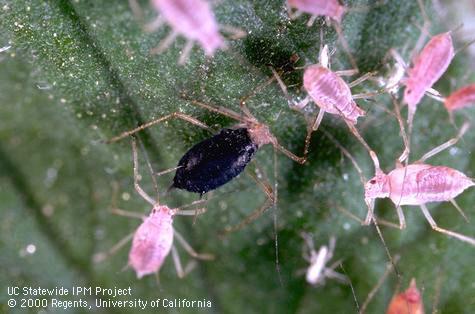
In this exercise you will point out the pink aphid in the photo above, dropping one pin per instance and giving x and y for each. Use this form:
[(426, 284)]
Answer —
[(460, 98), (194, 20), (330, 8), (419, 184), (331, 93), (152, 241), (428, 66)]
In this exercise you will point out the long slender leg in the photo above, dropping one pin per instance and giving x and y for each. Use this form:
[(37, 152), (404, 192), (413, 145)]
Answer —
[(185, 53), (282, 87), (318, 120), (311, 20), (152, 173), (372, 293), (190, 250), (101, 256), (178, 267), (425, 27), (235, 32), (460, 210), (174, 115), (136, 9), (251, 217), (445, 145), (356, 218), (137, 176), (221, 110), (345, 45), (402, 219), (372, 154), (361, 79), (434, 226), (350, 72), (165, 43), (154, 25)]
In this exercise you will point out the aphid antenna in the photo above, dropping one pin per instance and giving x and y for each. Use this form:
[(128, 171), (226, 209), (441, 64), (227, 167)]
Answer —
[(174, 115), (369, 202), (353, 292), (374, 290), (424, 30)]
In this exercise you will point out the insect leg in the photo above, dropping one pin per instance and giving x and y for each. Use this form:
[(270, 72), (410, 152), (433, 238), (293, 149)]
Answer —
[(372, 293), (434, 226), (235, 32), (190, 250), (165, 43), (402, 219), (137, 176), (445, 145), (177, 115), (361, 79), (178, 267), (185, 52), (101, 256), (345, 45), (460, 210)]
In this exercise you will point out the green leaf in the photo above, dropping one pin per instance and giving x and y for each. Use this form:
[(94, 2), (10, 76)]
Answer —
[(79, 72)]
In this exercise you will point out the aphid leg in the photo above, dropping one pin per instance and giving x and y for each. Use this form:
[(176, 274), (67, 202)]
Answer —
[(235, 32), (350, 72), (120, 212), (372, 293), (372, 154), (174, 115), (356, 218), (283, 87), (311, 20), (459, 209), (445, 145), (102, 256), (434, 226), (221, 110), (345, 45), (268, 203), (152, 173), (424, 30), (136, 10), (187, 247), (137, 176), (361, 79), (178, 267), (154, 25), (165, 43), (185, 53), (293, 15), (402, 219)]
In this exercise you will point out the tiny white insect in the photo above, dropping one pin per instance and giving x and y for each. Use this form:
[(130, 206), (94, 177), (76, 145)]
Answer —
[(317, 270)]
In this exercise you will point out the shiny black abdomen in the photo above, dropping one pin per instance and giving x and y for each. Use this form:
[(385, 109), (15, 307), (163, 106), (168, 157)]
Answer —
[(214, 161)]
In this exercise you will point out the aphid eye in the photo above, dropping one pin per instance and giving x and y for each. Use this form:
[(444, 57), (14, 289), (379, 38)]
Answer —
[(409, 91), (373, 181)]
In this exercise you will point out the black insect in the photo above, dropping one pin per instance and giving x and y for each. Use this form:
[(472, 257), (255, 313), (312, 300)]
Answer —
[(215, 161), (218, 159)]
